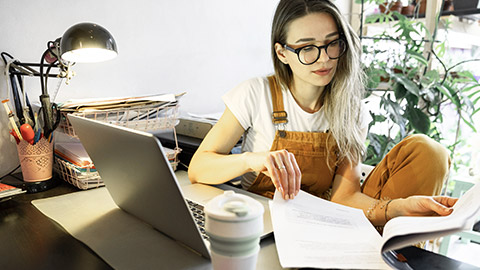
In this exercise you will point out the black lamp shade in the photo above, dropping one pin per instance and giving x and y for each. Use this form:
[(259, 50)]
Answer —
[(87, 43)]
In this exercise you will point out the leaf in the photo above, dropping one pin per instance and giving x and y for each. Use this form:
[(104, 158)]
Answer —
[(380, 17), (432, 75), (444, 91), (429, 94), (412, 99), (470, 124), (468, 74), (476, 100), (399, 90), (373, 77), (419, 120), (476, 111), (441, 49), (394, 111), (468, 88), (407, 83), (453, 97), (467, 103), (418, 56)]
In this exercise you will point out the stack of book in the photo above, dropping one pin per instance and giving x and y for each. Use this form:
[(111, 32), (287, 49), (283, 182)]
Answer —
[(7, 191)]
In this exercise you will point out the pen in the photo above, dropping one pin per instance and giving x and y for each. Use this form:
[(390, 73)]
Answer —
[(38, 134), (15, 136), (12, 120)]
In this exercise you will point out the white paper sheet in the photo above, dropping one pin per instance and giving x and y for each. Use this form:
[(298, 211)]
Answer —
[(349, 242)]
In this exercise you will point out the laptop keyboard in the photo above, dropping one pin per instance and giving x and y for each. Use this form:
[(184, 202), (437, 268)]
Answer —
[(199, 216)]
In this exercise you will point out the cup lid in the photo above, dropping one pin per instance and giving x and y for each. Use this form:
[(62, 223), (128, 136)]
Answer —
[(231, 206)]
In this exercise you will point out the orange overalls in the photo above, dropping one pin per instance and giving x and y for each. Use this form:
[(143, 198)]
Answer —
[(416, 166)]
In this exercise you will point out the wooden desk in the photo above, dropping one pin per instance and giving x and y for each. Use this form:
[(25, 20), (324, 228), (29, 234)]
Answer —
[(30, 240)]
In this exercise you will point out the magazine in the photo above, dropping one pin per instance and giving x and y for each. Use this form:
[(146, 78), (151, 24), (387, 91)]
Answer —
[(312, 232)]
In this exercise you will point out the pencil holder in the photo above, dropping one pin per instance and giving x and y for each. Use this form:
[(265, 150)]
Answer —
[(36, 160)]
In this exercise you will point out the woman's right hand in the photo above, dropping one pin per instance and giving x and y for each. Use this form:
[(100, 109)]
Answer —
[(282, 168)]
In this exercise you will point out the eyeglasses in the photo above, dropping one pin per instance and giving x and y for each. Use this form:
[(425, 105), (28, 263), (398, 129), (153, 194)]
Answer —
[(309, 54)]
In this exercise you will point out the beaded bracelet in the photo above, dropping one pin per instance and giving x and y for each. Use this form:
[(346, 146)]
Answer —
[(386, 209), (370, 211)]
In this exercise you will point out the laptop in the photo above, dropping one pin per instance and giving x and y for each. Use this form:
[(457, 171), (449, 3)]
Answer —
[(141, 181)]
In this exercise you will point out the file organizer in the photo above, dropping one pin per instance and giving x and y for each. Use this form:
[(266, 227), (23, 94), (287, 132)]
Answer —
[(149, 116)]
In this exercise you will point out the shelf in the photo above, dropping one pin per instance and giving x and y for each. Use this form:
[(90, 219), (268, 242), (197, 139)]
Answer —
[(462, 12), (462, 33)]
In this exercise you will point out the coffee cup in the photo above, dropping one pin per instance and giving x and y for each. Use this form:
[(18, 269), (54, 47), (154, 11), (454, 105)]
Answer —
[(234, 223)]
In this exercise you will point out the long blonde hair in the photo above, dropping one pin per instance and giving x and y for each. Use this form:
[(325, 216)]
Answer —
[(342, 96)]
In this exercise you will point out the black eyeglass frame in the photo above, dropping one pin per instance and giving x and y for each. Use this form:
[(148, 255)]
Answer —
[(297, 51)]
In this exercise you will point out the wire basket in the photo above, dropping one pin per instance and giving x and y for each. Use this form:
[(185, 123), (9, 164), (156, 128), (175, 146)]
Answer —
[(150, 117), (82, 178), (145, 118), (87, 178)]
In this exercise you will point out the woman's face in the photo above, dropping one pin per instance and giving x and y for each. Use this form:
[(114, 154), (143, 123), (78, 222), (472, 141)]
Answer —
[(313, 29)]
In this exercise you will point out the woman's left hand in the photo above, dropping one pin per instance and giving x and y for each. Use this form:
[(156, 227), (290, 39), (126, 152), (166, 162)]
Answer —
[(422, 206)]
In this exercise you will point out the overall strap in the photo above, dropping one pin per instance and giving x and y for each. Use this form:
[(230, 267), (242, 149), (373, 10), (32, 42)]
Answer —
[(279, 115)]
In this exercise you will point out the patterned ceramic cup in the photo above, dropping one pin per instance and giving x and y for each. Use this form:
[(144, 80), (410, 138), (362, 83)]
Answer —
[(36, 160)]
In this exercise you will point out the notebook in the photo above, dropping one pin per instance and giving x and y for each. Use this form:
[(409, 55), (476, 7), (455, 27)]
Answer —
[(141, 181)]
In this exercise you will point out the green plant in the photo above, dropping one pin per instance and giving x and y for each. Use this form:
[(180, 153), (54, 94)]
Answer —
[(414, 87)]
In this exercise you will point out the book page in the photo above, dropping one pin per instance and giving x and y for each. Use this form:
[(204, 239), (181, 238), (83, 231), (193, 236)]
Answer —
[(312, 232), (402, 231)]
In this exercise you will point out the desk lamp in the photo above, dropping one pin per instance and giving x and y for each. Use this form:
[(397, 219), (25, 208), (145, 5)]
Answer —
[(81, 43)]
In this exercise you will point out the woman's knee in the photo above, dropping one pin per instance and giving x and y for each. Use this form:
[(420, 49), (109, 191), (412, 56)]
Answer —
[(427, 146), (431, 153)]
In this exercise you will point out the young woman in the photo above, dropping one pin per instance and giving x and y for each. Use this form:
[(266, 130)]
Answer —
[(305, 126)]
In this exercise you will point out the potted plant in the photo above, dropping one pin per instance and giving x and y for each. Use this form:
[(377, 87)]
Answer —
[(413, 96), (391, 6), (408, 10)]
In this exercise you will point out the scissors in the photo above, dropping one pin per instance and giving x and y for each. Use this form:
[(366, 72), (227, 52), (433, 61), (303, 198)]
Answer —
[(51, 118)]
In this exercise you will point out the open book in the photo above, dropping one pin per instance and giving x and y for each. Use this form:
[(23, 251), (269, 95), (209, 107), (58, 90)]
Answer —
[(312, 232)]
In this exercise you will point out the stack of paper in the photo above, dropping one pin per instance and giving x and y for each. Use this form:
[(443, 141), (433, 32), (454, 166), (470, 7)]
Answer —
[(73, 164), (113, 103), (141, 113), (145, 113)]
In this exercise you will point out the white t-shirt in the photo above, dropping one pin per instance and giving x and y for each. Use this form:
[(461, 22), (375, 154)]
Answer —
[(251, 103)]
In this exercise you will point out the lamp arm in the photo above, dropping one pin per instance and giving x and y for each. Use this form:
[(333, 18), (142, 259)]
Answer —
[(42, 83)]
